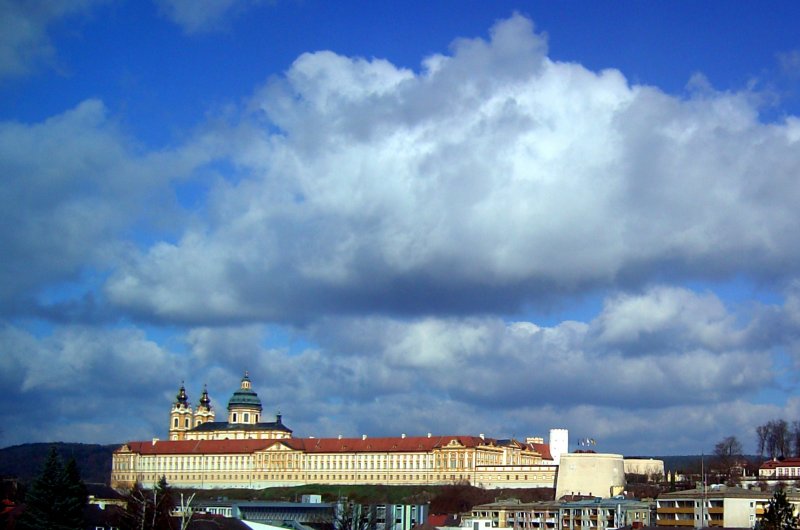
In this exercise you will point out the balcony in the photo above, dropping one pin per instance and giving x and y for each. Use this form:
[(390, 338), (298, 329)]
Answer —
[(675, 522), (671, 509)]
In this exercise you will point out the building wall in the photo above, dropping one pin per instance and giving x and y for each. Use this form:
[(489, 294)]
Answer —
[(278, 465), (739, 513), (596, 474), (644, 466)]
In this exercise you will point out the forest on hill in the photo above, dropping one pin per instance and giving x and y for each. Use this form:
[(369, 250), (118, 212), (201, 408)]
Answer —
[(24, 462)]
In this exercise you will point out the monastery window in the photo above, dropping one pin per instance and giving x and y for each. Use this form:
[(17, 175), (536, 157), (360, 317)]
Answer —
[(234, 417), (175, 423), (246, 417)]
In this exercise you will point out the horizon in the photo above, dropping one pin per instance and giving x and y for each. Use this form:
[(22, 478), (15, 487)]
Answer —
[(445, 216)]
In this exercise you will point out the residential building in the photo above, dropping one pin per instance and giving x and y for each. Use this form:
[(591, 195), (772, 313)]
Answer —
[(511, 513), (589, 514), (717, 505), (603, 514), (785, 470)]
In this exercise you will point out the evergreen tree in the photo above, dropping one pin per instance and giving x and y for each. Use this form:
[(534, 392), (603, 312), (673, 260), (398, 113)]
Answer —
[(779, 514), (164, 504), (56, 499), (73, 496)]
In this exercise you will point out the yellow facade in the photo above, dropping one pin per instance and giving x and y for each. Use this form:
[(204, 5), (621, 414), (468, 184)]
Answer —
[(246, 453), (246, 464)]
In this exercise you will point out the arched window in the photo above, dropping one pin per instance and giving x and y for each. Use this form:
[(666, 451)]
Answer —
[(234, 417), (175, 422)]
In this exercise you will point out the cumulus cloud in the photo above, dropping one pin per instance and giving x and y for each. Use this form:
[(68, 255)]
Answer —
[(492, 178), (385, 376), (75, 383), (73, 184), (493, 364), (23, 31), (209, 15)]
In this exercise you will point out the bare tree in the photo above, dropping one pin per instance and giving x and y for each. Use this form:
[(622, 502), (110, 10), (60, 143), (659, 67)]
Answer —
[(761, 434), (352, 516), (795, 436), (776, 439), (728, 454)]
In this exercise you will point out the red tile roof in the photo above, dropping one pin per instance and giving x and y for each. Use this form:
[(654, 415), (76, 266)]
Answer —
[(542, 449), (787, 462), (408, 444), (181, 447)]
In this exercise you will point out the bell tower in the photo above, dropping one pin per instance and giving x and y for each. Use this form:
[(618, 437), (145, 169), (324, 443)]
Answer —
[(180, 418), (203, 413)]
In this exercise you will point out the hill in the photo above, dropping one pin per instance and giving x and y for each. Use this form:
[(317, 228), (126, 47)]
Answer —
[(25, 461)]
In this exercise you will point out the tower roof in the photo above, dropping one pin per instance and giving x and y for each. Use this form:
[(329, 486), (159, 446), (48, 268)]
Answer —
[(245, 397), (205, 401), (182, 398)]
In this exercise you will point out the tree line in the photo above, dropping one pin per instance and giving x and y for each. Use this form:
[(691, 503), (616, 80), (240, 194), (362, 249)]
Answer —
[(778, 439)]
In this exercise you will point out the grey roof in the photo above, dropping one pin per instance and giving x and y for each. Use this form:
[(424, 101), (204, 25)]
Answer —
[(225, 426), (102, 491), (716, 492)]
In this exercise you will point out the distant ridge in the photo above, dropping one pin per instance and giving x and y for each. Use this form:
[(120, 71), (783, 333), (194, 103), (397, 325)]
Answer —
[(24, 462)]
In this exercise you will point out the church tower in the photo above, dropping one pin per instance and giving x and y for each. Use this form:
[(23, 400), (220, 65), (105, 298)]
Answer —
[(203, 413), (180, 419)]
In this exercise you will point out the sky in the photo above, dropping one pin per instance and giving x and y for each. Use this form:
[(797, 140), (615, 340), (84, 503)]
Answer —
[(458, 217)]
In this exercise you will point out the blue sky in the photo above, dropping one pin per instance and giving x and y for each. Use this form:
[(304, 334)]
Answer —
[(454, 217)]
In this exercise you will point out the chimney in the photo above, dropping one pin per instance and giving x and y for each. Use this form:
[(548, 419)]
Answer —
[(339, 437), (403, 435), (363, 436), (481, 435), (155, 440)]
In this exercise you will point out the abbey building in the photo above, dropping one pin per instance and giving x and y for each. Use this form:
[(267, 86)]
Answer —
[(246, 452), (244, 418)]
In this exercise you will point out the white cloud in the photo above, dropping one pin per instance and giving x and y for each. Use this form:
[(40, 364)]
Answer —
[(208, 15), (23, 31), (73, 184), (75, 384), (385, 376), (667, 318), (490, 177)]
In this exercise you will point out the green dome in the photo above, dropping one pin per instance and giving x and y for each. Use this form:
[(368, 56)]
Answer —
[(245, 397)]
